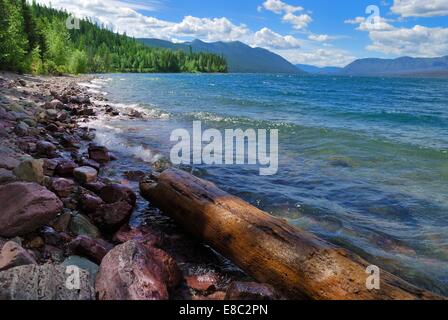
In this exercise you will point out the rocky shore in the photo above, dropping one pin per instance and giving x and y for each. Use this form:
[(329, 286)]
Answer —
[(61, 209)]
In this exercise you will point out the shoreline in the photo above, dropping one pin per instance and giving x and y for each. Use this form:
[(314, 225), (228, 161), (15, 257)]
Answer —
[(47, 126), (98, 197)]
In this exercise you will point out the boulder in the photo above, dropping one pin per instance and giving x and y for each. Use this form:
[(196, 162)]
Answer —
[(25, 208), (8, 162), (46, 149), (21, 129), (116, 192), (85, 174), (132, 271), (86, 162), (30, 170), (7, 176), (110, 217), (54, 104), (83, 264), (50, 166), (65, 168), (250, 291), (89, 202), (81, 226), (94, 249), (62, 187), (99, 153), (13, 255), (47, 282)]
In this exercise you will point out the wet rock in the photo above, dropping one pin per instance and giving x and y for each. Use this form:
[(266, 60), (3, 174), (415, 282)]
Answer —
[(62, 222), (83, 264), (21, 129), (26, 207), (132, 271), (7, 176), (250, 291), (65, 168), (51, 237), (7, 162), (13, 255), (47, 282), (94, 249), (79, 99), (54, 104), (46, 149), (95, 187), (111, 217), (89, 203), (85, 162), (136, 176), (85, 174), (142, 234), (62, 187), (80, 225), (30, 170), (203, 283), (99, 153), (50, 167), (70, 142), (116, 193)]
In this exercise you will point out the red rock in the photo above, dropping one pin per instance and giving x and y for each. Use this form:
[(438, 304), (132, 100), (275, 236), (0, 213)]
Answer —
[(94, 249), (112, 216), (141, 234), (85, 174), (95, 187), (203, 283), (50, 166), (46, 149), (13, 255), (132, 271), (85, 162), (89, 203), (118, 192), (99, 154), (134, 175), (250, 291), (62, 187), (25, 208), (65, 168)]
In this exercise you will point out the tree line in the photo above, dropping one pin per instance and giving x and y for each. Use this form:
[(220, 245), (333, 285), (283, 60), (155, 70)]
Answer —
[(35, 39)]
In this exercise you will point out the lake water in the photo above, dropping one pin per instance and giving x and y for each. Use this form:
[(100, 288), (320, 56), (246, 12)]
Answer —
[(363, 162)]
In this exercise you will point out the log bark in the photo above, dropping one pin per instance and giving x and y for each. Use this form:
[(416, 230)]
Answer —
[(297, 263)]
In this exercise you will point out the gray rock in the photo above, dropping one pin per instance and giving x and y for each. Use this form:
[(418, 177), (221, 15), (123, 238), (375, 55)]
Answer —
[(84, 264), (47, 282), (81, 226)]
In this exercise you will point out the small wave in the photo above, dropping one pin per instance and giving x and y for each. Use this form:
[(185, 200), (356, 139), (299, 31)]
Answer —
[(89, 85)]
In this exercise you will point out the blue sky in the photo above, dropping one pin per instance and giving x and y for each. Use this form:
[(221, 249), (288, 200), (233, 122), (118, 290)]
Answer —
[(318, 32)]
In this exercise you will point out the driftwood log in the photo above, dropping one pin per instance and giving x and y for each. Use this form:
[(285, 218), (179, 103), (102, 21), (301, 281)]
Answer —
[(297, 263)]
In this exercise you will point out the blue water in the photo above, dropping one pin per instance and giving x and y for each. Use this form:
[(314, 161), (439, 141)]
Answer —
[(363, 162)]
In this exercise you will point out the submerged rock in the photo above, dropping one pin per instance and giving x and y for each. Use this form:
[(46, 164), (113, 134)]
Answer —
[(25, 208), (99, 153), (116, 192), (47, 282)]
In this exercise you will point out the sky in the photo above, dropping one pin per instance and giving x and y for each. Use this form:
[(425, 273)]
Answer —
[(316, 32)]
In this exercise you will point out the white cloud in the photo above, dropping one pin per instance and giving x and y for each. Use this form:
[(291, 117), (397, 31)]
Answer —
[(420, 8), (121, 16), (418, 41), (298, 21), (267, 38), (280, 7), (319, 37), (374, 24), (319, 57)]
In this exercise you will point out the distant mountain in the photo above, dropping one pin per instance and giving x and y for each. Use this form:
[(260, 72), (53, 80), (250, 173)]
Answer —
[(318, 70), (400, 66), (240, 57)]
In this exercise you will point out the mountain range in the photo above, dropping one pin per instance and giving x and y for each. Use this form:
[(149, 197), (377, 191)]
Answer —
[(240, 57)]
